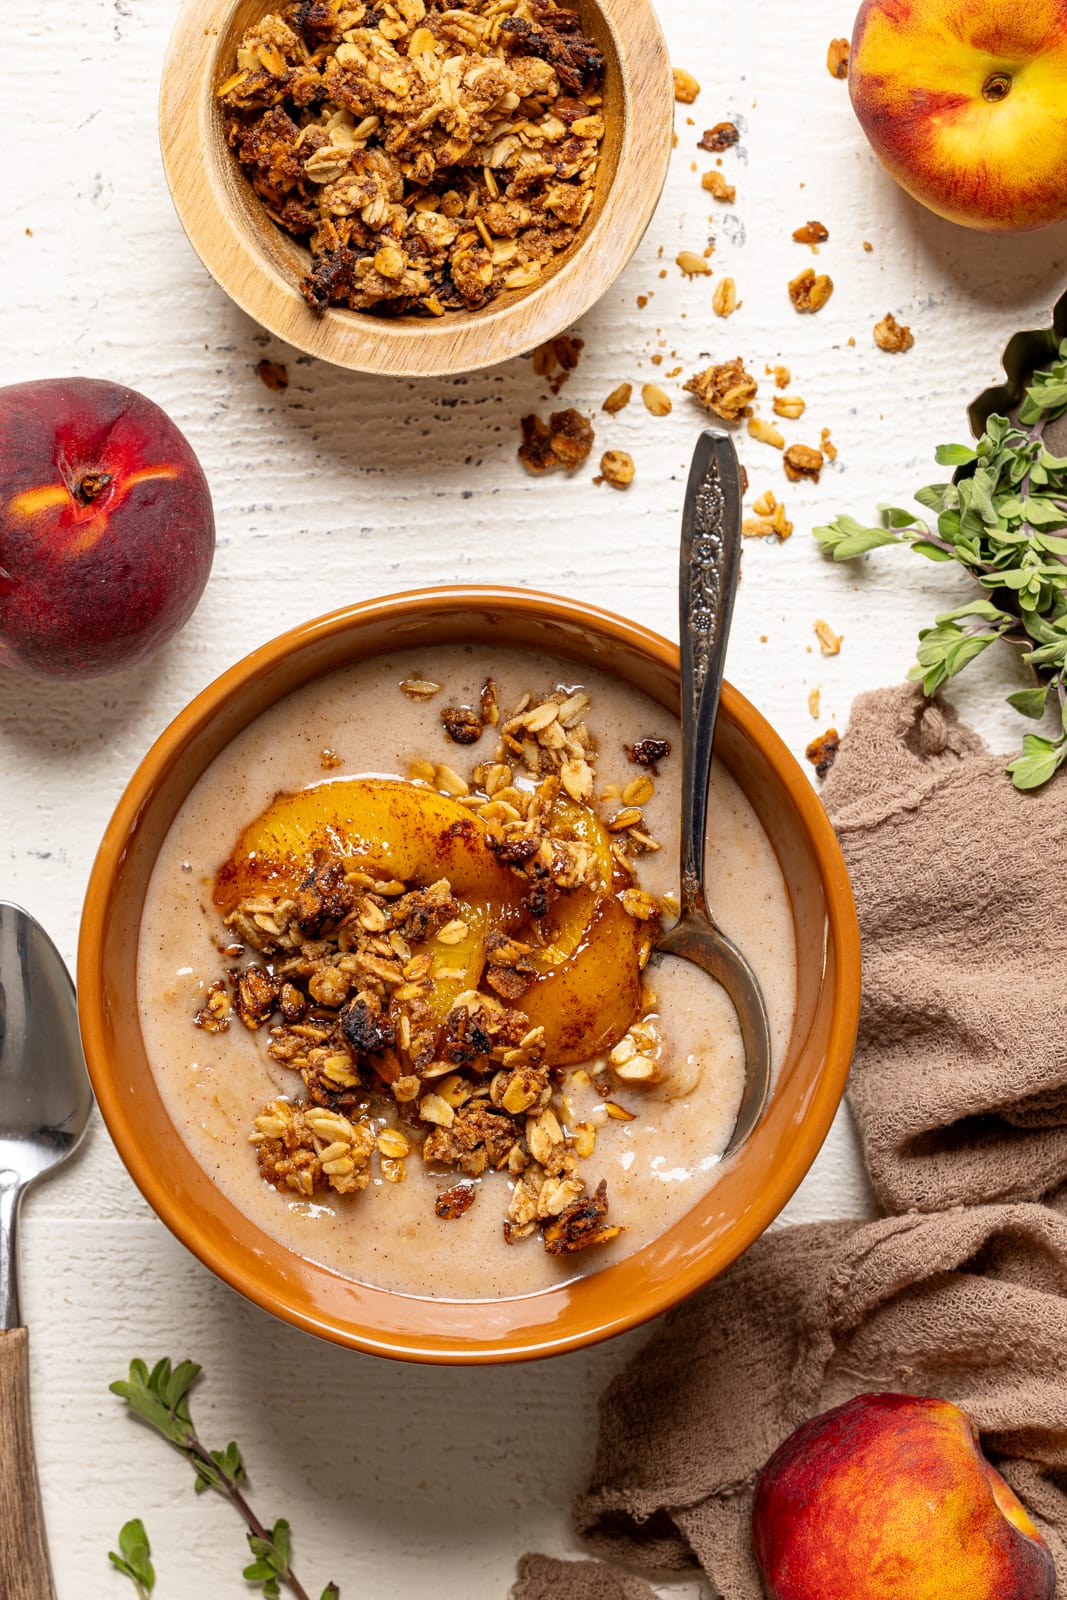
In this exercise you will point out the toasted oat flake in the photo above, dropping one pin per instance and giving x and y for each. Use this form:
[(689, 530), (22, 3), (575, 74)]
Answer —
[(829, 641), (891, 335), (814, 698), (618, 398), (724, 301), (686, 87), (420, 688), (692, 265), (617, 468), (790, 406), (766, 432), (809, 291), (657, 400)]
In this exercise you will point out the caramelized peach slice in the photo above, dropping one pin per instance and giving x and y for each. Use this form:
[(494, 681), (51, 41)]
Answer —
[(586, 1003)]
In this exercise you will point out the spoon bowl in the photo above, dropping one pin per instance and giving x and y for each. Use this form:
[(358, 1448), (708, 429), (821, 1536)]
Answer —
[(709, 567)]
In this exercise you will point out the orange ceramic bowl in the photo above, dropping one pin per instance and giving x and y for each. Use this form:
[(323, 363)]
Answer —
[(752, 1188)]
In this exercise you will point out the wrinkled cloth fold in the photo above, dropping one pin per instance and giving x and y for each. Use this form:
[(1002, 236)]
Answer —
[(959, 1091), (959, 1084), (969, 1305)]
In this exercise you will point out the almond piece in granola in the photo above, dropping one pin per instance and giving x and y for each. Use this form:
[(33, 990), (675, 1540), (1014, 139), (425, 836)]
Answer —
[(657, 400)]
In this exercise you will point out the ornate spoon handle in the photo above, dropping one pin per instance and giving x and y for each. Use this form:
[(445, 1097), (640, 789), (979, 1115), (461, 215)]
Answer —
[(710, 564)]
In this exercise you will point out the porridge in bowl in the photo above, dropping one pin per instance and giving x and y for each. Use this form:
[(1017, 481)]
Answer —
[(393, 981)]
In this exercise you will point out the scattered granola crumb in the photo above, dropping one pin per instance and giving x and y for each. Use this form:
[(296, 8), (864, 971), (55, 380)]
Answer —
[(273, 375), (724, 301), (809, 292), (657, 400), (837, 58), (829, 449), (813, 233), (721, 137), (648, 753), (462, 724), (717, 186), (692, 265), (557, 358), (564, 441), (829, 641), (329, 760), (686, 87), (770, 520), (617, 468), (782, 376), (618, 398), (801, 461), (814, 697), (642, 301), (868, 246), (766, 432), (891, 335), (822, 752), (726, 389), (790, 406), (852, 341)]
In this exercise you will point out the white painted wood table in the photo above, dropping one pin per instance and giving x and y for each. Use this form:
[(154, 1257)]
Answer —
[(403, 1481)]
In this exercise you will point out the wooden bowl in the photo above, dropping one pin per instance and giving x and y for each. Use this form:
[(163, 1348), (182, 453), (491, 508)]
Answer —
[(752, 1188), (259, 266)]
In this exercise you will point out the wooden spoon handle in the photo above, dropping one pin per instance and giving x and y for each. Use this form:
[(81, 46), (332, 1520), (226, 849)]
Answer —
[(25, 1570)]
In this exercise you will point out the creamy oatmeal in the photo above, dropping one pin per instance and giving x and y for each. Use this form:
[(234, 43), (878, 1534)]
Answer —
[(639, 1120)]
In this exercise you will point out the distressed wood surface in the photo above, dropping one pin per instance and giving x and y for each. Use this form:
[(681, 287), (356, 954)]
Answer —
[(25, 1573), (404, 1482)]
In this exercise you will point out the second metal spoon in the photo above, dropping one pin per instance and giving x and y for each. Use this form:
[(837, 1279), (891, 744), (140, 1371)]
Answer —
[(708, 572)]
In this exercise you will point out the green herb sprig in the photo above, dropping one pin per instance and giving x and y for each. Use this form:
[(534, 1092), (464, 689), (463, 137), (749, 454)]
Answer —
[(1005, 522), (134, 1558), (160, 1397)]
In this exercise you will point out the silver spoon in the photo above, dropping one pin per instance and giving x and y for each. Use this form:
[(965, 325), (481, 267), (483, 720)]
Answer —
[(708, 573), (45, 1102)]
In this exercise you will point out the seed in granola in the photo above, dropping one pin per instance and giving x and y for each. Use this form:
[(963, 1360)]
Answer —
[(724, 301), (618, 398), (788, 405), (813, 233), (617, 468), (462, 724), (829, 641), (808, 292), (274, 375), (822, 752), (686, 87), (657, 400), (648, 753), (726, 389), (565, 441), (766, 432), (721, 137), (452, 1203), (692, 265), (717, 186), (837, 58), (801, 461), (891, 335)]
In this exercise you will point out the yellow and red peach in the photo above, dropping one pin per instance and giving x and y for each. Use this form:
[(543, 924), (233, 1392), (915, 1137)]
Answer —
[(964, 103), (889, 1497), (106, 527)]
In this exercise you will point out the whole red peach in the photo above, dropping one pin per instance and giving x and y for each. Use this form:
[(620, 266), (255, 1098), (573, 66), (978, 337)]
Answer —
[(889, 1497), (964, 102), (106, 527)]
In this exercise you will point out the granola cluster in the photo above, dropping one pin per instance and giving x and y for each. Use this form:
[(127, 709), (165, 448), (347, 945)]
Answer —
[(431, 156), (348, 972)]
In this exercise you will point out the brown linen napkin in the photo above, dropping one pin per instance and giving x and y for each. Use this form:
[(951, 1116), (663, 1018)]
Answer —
[(970, 1305), (542, 1578), (959, 1085)]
